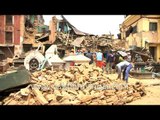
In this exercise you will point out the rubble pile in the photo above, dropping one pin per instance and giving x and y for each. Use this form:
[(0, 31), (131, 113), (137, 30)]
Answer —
[(80, 85), (118, 44), (64, 39), (67, 39), (90, 41)]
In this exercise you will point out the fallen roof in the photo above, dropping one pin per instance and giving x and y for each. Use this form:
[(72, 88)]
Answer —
[(78, 32)]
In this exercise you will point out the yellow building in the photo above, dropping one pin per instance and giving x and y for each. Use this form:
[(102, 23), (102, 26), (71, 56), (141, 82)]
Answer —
[(142, 31)]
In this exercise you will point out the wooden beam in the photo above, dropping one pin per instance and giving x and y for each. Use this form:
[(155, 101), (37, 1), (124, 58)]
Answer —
[(39, 96)]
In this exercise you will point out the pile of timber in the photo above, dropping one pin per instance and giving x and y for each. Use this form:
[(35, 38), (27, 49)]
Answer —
[(80, 85)]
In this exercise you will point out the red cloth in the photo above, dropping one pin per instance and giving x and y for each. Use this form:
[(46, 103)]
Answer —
[(104, 64), (99, 64), (72, 64)]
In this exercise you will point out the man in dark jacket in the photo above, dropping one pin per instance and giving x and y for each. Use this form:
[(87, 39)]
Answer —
[(89, 55), (109, 61)]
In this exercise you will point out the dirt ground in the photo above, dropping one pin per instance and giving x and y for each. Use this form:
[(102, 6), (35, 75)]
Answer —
[(153, 92)]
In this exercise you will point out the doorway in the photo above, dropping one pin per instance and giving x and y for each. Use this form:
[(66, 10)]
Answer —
[(153, 52)]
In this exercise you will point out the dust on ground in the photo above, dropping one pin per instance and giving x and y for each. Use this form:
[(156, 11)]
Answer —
[(153, 92)]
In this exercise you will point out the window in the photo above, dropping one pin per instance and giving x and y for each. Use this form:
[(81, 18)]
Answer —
[(8, 37), (130, 30), (134, 30), (152, 26), (9, 20), (127, 33)]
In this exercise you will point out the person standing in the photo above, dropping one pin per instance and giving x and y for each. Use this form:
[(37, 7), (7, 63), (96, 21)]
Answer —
[(94, 58), (109, 61), (99, 60), (78, 52), (71, 52), (90, 56)]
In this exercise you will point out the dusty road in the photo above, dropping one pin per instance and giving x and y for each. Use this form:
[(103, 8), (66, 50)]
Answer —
[(153, 92)]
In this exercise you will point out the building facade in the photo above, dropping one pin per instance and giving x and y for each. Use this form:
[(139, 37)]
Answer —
[(142, 31), (11, 34)]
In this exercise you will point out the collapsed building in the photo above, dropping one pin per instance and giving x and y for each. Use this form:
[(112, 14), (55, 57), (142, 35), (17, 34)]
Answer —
[(141, 36), (21, 33), (33, 32), (142, 31), (66, 36)]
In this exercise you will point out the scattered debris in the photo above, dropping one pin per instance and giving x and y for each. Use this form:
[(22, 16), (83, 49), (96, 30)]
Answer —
[(76, 86)]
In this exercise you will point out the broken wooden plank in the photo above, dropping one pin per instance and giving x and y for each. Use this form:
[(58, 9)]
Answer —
[(40, 96)]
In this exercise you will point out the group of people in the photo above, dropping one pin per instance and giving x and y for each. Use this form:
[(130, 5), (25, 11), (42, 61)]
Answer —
[(96, 57), (122, 64), (110, 60)]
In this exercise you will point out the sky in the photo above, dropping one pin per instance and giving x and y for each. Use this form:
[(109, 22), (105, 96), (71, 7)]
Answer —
[(93, 24)]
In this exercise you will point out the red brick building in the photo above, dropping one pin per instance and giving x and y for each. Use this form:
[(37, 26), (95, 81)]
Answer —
[(11, 34)]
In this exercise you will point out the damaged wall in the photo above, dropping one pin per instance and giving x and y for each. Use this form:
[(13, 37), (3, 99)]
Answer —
[(34, 25), (143, 31), (147, 32), (53, 29)]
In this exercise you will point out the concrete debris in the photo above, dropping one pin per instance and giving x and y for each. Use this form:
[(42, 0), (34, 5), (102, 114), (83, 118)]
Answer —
[(89, 41), (74, 87)]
